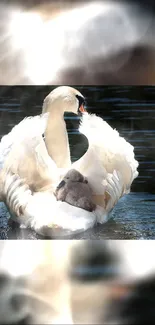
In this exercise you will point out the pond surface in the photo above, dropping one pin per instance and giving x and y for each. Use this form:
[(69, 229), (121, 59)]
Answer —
[(132, 218), (131, 110)]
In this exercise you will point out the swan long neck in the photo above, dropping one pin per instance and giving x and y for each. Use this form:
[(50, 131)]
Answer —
[(56, 138)]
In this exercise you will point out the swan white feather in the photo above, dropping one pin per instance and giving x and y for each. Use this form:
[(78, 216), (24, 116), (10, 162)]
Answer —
[(29, 127), (109, 149), (109, 164)]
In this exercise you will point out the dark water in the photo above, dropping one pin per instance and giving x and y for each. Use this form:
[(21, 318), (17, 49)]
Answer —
[(131, 110)]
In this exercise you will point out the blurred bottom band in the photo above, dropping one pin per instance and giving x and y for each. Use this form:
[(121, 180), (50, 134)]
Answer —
[(77, 282)]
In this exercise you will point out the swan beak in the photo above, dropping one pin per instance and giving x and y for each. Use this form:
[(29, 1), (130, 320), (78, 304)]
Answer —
[(120, 291), (82, 109), (61, 184)]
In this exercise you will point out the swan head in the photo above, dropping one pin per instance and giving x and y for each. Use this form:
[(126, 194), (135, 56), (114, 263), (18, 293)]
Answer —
[(64, 98)]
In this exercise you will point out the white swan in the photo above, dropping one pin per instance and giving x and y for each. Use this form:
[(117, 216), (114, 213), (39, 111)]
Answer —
[(32, 167)]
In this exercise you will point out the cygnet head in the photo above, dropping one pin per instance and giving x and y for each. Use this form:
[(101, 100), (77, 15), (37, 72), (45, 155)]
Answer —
[(64, 98), (74, 176)]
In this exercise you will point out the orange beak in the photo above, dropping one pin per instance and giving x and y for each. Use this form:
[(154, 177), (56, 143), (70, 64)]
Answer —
[(120, 291), (82, 109)]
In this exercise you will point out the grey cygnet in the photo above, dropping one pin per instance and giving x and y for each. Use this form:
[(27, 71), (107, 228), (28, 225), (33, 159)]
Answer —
[(74, 189)]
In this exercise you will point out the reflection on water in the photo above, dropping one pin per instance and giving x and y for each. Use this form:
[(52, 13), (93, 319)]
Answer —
[(132, 218), (128, 109)]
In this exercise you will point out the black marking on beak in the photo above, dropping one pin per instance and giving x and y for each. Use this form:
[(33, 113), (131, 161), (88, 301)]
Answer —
[(81, 101), (61, 184)]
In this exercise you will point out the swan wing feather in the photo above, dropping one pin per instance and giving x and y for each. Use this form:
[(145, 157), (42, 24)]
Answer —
[(29, 127), (112, 150)]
